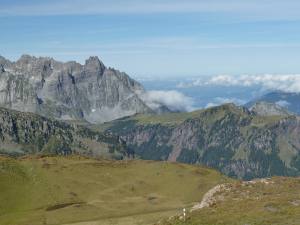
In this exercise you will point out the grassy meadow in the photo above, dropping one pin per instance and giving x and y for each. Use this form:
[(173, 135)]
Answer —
[(81, 191)]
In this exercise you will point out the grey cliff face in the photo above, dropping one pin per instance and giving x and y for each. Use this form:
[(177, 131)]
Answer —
[(69, 90)]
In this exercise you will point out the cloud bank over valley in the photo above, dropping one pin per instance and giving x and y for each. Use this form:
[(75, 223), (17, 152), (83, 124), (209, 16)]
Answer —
[(268, 82)]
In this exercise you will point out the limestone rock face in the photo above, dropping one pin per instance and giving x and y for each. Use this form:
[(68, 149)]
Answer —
[(69, 90)]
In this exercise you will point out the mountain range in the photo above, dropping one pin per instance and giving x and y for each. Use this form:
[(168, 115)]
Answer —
[(69, 91), (50, 107)]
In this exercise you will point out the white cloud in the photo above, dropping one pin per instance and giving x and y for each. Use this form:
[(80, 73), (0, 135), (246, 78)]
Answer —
[(283, 103), (174, 100), (220, 101), (284, 82)]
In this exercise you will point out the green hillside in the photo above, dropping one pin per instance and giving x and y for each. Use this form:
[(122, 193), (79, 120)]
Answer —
[(28, 133), (76, 190), (232, 139), (273, 201)]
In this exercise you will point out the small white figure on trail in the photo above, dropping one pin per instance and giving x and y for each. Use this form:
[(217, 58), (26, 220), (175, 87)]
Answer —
[(184, 214)]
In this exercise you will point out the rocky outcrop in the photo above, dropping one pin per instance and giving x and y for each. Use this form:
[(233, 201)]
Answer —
[(209, 197), (69, 91), (231, 139), (269, 109), (27, 133)]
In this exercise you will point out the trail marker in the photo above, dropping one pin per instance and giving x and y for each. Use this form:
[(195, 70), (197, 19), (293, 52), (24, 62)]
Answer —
[(184, 214)]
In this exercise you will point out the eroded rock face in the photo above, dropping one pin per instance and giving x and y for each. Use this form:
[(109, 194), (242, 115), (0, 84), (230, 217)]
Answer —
[(27, 133), (69, 90)]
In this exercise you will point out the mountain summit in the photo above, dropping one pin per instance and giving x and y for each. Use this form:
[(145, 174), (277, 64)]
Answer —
[(91, 92)]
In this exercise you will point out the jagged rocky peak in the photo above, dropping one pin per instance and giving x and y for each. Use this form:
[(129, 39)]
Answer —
[(70, 90), (26, 60), (4, 62), (94, 65), (34, 66), (263, 108)]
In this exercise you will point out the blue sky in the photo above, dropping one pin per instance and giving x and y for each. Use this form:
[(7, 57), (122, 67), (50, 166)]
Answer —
[(158, 38)]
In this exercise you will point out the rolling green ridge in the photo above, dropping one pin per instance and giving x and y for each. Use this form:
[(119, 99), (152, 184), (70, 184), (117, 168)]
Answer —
[(231, 139), (76, 190)]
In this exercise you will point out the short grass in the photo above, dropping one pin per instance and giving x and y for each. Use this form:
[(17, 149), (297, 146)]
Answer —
[(76, 190), (167, 119), (276, 203)]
